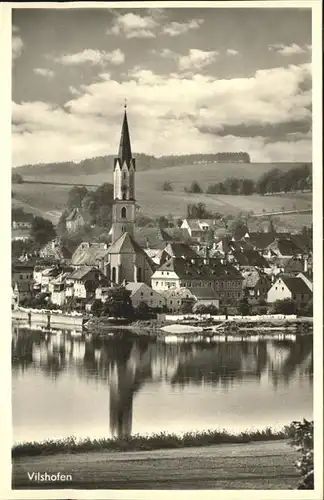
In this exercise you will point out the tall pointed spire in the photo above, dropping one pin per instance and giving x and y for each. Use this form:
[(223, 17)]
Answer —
[(125, 151)]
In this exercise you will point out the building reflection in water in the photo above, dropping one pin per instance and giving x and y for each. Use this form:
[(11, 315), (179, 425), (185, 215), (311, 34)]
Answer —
[(126, 363)]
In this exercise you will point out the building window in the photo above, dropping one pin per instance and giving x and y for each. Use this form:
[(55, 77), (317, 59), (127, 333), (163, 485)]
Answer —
[(113, 275), (156, 283), (139, 274), (123, 213), (124, 196), (170, 301), (151, 294), (124, 175)]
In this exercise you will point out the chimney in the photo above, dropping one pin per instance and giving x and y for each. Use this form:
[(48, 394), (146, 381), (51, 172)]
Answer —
[(305, 264)]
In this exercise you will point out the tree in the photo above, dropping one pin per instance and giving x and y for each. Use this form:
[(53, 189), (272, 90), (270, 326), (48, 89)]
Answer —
[(167, 186), (194, 188), (42, 231), (186, 307), (244, 307), (97, 307), (16, 179), (119, 304), (75, 196), (143, 310), (284, 306)]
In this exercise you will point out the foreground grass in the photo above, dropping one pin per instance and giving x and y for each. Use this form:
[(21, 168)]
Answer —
[(139, 442)]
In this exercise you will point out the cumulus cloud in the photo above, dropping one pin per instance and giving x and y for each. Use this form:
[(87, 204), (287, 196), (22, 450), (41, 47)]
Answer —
[(94, 57), (267, 114), (197, 59), (176, 29), (288, 50), (133, 26), (232, 52), (16, 43), (46, 73)]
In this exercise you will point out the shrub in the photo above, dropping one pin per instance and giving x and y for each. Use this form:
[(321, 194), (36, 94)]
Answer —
[(301, 436)]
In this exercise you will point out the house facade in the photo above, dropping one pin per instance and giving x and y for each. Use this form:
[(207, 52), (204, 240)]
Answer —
[(289, 287), (141, 292)]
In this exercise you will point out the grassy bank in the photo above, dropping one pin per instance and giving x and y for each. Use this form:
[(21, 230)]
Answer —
[(145, 443)]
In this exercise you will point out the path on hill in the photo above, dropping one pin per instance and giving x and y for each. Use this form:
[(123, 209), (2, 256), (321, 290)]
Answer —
[(262, 465), (54, 216)]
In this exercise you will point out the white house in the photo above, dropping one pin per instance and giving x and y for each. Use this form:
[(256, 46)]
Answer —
[(197, 228), (289, 287), (140, 292)]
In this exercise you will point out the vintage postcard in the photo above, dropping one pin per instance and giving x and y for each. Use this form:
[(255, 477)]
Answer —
[(162, 177)]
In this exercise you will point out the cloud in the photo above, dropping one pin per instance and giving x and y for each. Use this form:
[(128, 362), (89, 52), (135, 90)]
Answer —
[(267, 115), (197, 59), (16, 43), (94, 57), (232, 52), (134, 26), (46, 73), (288, 50), (176, 29)]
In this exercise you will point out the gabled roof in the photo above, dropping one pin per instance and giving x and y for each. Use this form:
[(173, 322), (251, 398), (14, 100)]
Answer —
[(197, 269), (295, 285), (260, 240), (73, 215), (125, 244), (80, 274), (295, 264), (181, 250), (153, 237), (250, 258), (55, 249), (288, 247), (134, 286), (89, 254), (203, 293)]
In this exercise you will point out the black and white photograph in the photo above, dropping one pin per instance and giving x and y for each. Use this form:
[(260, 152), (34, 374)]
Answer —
[(163, 262)]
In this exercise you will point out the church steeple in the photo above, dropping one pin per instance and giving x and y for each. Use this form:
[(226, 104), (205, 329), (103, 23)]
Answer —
[(125, 150), (123, 216)]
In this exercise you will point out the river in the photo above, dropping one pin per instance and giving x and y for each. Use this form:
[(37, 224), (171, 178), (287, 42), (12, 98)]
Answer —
[(87, 386)]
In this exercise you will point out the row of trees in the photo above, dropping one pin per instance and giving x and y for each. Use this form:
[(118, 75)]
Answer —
[(273, 181)]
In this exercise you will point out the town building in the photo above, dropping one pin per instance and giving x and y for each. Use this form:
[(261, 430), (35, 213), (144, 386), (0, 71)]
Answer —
[(213, 273), (90, 254), (56, 250), (198, 228), (256, 285), (82, 283), (141, 292), (290, 287), (22, 280), (74, 220), (177, 298)]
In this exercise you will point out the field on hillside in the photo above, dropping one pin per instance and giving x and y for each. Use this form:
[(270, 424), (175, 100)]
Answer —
[(155, 202), (180, 176)]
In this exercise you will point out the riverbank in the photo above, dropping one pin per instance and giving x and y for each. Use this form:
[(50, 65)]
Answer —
[(136, 442), (261, 465)]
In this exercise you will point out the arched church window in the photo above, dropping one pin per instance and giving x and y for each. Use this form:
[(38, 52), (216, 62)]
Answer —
[(124, 175), (139, 274), (123, 213), (124, 196), (113, 275)]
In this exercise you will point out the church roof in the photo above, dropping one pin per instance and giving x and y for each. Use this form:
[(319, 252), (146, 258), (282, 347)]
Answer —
[(125, 244)]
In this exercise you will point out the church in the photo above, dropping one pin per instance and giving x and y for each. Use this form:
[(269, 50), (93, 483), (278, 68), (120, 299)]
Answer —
[(126, 260)]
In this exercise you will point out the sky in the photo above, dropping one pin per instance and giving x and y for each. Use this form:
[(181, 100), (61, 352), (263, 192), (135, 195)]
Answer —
[(196, 80)]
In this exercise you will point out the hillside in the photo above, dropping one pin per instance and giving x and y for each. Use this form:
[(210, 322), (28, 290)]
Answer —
[(155, 202)]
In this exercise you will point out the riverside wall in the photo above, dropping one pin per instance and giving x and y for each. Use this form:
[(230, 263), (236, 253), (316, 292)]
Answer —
[(43, 317)]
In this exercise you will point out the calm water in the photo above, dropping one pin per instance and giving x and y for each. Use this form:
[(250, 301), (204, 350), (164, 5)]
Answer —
[(63, 385)]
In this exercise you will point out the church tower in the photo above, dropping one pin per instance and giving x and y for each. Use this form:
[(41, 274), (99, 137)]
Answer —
[(123, 211)]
